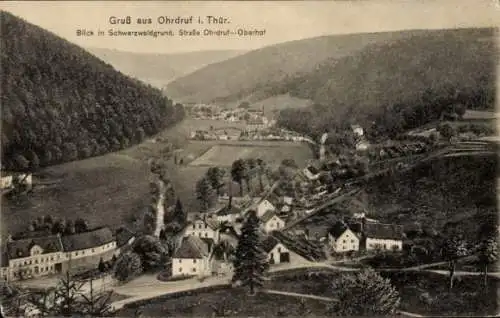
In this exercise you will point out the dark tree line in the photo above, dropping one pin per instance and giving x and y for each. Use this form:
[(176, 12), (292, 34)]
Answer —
[(60, 103)]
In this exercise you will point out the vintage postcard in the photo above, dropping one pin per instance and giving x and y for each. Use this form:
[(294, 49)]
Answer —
[(249, 158)]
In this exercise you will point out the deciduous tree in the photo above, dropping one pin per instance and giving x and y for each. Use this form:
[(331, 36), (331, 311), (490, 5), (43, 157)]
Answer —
[(215, 176), (128, 266), (488, 254), (152, 252), (454, 247), (239, 173), (365, 294), (204, 193)]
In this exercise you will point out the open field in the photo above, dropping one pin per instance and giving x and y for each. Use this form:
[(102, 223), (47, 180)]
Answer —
[(224, 154), (229, 302)]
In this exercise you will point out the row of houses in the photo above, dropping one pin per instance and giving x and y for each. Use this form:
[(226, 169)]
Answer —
[(9, 179), (198, 254), (51, 254)]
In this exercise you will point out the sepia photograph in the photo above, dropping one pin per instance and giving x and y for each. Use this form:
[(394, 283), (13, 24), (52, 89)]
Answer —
[(249, 158)]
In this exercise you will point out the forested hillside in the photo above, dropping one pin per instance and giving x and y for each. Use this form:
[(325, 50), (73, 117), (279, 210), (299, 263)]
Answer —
[(399, 85), (60, 103), (446, 193), (261, 72)]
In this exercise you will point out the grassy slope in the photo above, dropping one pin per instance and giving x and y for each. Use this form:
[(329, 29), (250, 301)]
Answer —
[(160, 69), (235, 303), (240, 76), (104, 190)]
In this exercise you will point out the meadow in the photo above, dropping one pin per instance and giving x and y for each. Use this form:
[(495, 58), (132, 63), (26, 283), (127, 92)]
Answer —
[(228, 302), (225, 154)]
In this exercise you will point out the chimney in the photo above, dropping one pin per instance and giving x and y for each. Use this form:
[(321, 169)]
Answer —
[(363, 224), (230, 194)]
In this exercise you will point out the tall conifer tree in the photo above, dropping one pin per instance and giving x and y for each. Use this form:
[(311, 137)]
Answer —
[(250, 262)]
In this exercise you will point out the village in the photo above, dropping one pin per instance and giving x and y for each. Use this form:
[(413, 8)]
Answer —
[(206, 244), (321, 223)]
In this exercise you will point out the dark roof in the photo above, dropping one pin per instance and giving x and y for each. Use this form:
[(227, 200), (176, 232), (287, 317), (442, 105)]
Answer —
[(269, 243), (21, 248), (317, 231), (232, 189), (268, 215), (337, 229), (213, 224), (355, 226), (123, 235), (301, 246), (312, 169), (192, 247), (383, 231), (228, 210), (208, 241), (86, 240)]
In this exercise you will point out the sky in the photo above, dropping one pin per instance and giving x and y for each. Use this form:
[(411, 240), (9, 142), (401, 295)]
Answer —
[(282, 20)]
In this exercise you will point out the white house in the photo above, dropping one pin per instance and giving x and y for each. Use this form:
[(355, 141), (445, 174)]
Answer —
[(382, 236), (203, 228), (288, 200), (311, 172), (192, 258), (342, 239), (281, 248), (271, 222), (6, 180), (362, 145), (52, 254), (90, 243), (34, 257), (227, 214), (255, 124), (264, 206), (357, 130)]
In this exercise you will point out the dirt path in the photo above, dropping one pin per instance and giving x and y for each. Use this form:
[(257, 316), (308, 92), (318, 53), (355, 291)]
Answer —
[(160, 211), (277, 292)]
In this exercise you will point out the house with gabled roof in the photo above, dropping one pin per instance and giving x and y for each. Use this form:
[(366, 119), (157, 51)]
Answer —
[(193, 257), (285, 248), (311, 172), (203, 228), (227, 214), (382, 236), (271, 222), (124, 238), (34, 257), (87, 248), (343, 239), (263, 206)]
